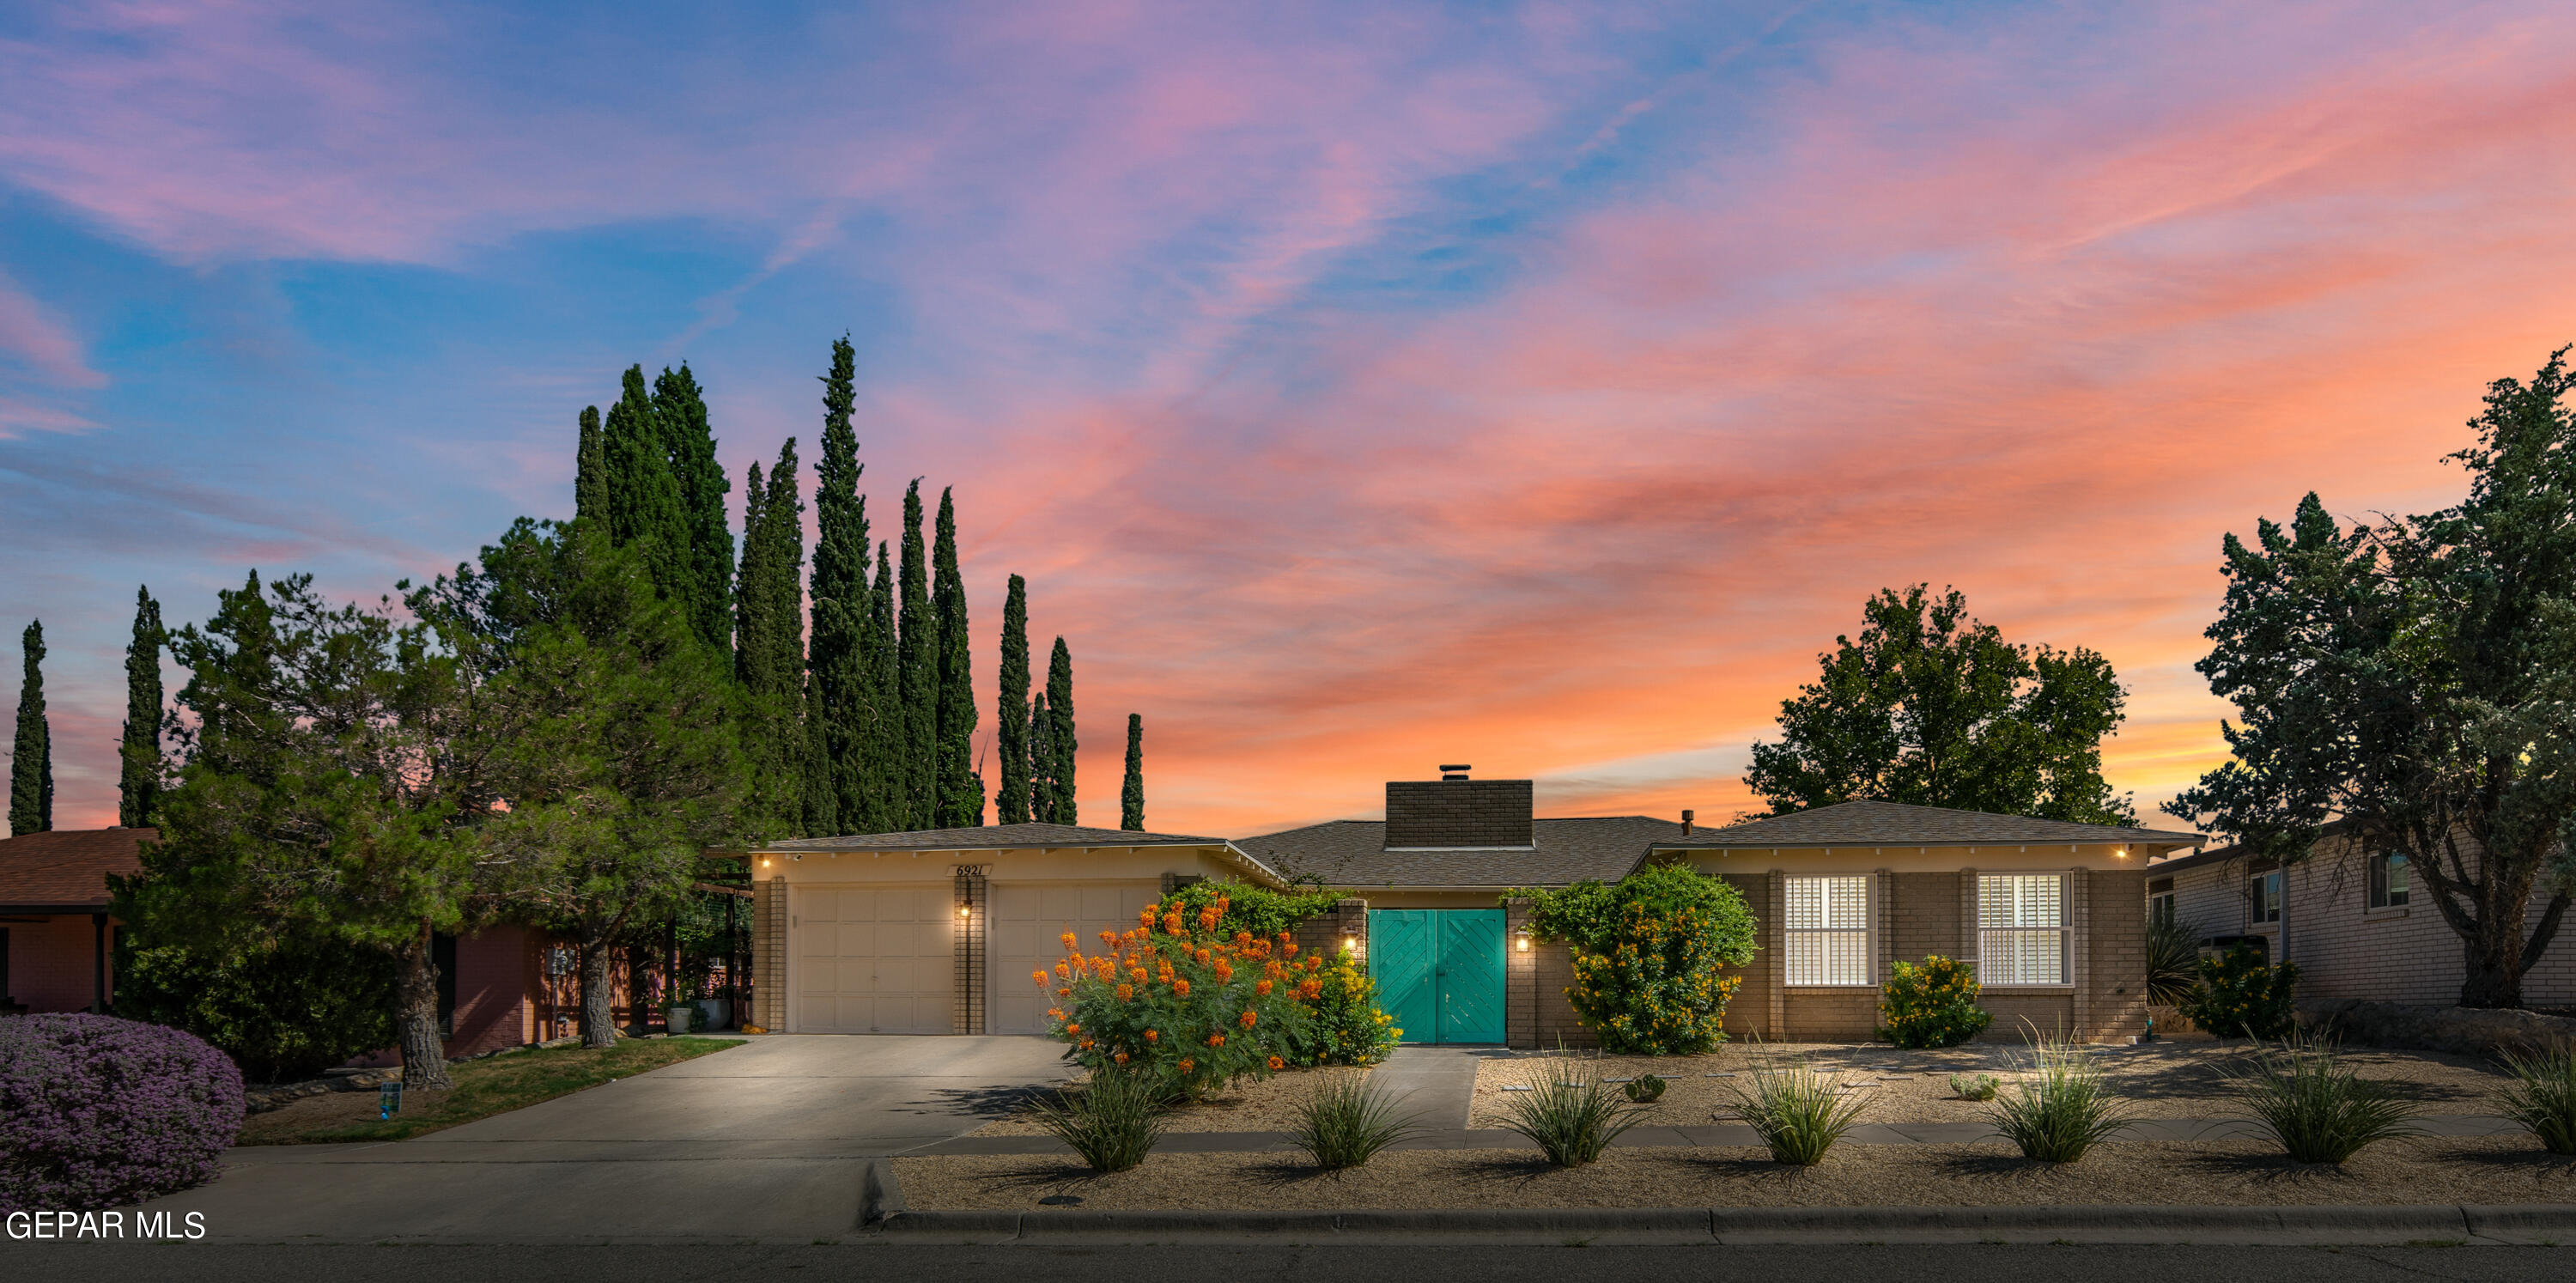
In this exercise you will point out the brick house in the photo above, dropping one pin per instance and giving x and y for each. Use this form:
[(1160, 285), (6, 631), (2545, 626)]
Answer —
[(57, 940), (2358, 925)]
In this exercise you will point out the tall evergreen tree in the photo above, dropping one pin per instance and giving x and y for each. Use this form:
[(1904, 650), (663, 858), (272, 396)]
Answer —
[(836, 712), (138, 792), (769, 641), (961, 790), (590, 469), (889, 796), (681, 407), (1131, 794), (1060, 738), (31, 759), (1011, 726), (1041, 762), (918, 662), (644, 506)]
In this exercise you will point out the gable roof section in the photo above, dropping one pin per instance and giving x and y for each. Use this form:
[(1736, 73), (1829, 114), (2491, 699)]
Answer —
[(1898, 824), (1353, 854), (66, 870)]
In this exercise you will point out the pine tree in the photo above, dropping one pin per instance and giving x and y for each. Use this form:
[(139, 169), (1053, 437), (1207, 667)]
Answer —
[(1131, 794), (836, 712), (139, 785), (918, 659), (888, 788), (769, 643), (681, 407), (1011, 729), (31, 760), (961, 790), (590, 469), (1060, 739), (643, 496), (1041, 762)]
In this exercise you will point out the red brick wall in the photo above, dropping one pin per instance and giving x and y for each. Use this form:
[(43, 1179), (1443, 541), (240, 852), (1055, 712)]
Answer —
[(52, 963), (499, 974)]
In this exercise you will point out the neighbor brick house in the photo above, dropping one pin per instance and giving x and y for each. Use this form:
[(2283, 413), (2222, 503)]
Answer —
[(57, 940)]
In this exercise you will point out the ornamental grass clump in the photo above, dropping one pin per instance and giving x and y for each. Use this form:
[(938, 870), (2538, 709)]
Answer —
[(2061, 1108), (2319, 1111), (97, 1112), (2543, 1095), (1346, 1122), (1931, 1004), (1798, 1110), (1112, 1121), (1572, 1117)]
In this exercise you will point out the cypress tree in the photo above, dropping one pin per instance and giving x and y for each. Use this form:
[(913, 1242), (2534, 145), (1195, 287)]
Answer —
[(681, 408), (918, 662), (961, 790), (1041, 762), (889, 798), (590, 469), (769, 643), (138, 793), (643, 496), (1131, 794), (836, 707), (31, 759), (1060, 740), (1011, 729)]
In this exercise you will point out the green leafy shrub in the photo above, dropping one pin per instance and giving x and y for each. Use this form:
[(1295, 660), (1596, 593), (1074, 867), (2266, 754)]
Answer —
[(1346, 1122), (2240, 997), (1981, 1087), (1646, 1089), (2319, 1111), (285, 1006), (1570, 1116), (2543, 1095), (2062, 1109), (1344, 1025), (1799, 1111), (2173, 962), (1931, 1004), (1244, 907), (1648, 952), (1111, 1121)]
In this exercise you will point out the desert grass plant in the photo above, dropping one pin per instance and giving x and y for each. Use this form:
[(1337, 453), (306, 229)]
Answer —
[(2319, 1110), (2062, 1108), (1113, 1121), (1572, 1116), (1346, 1122), (1981, 1087), (2543, 1095), (1798, 1110)]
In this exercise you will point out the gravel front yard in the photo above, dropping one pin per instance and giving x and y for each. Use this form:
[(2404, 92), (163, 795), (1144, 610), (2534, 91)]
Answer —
[(2512, 1169), (1269, 1106)]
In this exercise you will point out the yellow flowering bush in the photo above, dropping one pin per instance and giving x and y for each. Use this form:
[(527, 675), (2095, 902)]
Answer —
[(1649, 953), (1931, 1004), (1345, 1026)]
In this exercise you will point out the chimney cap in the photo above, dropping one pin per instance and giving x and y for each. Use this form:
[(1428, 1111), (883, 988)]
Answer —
[(1455, 772)]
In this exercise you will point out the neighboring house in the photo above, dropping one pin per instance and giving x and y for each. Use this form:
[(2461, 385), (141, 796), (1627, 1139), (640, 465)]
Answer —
[(57, 942), (937, 932), (2360, 925)]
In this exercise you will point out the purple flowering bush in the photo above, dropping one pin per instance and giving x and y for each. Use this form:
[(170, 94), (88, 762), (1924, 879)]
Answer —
[(97, 1112)]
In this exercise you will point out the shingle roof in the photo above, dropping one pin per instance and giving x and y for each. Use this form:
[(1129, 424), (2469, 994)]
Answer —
[(1352, 853), (67, 869), (2237, 850), (991, 837), (1898, 824)]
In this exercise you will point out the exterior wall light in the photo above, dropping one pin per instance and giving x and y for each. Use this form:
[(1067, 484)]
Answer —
[(1521, 940), (965, 910), (1350, 939)]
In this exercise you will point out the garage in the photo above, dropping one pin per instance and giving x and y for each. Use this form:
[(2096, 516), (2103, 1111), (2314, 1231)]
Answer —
[(873, 959), (1028, 923)]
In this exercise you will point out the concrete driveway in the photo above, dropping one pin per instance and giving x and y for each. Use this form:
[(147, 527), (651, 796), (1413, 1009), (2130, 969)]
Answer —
[(765, 1141)]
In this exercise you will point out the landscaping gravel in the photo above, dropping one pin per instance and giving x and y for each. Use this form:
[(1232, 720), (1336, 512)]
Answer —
[(2491, 1170), (1266, 1106)]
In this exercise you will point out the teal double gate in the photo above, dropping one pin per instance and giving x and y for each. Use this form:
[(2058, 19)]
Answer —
[(1439, 972)]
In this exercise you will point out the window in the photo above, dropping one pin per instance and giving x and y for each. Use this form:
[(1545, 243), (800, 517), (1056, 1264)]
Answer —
[(2162, 905), (2389, 879), (2263, 898), (1828, 931), (2021, 929)]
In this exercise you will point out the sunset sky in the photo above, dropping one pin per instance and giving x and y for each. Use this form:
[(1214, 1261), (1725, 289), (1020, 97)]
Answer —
[(1360, 387)]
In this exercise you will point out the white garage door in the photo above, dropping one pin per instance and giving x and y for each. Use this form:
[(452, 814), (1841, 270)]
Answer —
[(872, 959), (1028, 923)]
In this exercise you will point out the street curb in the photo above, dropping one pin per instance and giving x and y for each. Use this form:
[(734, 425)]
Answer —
[(880, 1198), (2070, 1223)]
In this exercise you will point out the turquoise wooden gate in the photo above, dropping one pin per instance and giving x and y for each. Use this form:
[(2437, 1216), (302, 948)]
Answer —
[(1439, 972)]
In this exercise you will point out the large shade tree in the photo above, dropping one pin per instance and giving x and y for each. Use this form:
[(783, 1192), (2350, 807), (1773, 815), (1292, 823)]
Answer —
[(1933, 708), (2415, 677)]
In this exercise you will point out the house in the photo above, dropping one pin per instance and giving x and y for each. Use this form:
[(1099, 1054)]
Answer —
[(2358, 924), (57, 941), (937, 932)]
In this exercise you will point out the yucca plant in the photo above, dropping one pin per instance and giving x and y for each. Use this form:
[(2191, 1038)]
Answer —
[(1571, 1116), (1346, 1122), (2061, 1108), (1112, 1121), (1797, 1110), (2319, 1110), (2173, 962), (2543, 1095)]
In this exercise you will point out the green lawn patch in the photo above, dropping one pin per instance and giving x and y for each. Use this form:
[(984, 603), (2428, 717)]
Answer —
[(483, 1088)]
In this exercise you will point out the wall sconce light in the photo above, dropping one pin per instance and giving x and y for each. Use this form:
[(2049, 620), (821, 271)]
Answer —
[(1350, 939), (965, 910), (764, 861), (1521, 940), (2121, 851)]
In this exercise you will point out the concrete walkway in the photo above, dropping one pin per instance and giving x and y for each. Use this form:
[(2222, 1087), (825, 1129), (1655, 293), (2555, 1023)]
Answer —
[(1439, 1083)]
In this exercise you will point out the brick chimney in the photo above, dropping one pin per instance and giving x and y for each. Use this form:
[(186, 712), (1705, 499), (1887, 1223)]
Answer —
[(1457, 812)]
